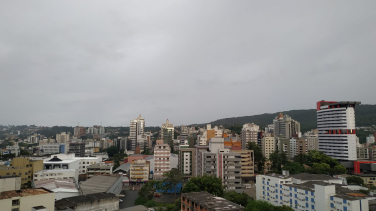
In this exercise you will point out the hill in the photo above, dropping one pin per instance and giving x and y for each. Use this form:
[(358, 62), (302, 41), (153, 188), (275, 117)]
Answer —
[(365, 115)]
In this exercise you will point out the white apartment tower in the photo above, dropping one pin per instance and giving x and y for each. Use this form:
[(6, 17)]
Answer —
[(249, 134), (336, 128), (136, 128)]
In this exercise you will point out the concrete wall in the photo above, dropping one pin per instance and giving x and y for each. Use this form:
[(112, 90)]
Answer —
[(105, 204), (8, 184)]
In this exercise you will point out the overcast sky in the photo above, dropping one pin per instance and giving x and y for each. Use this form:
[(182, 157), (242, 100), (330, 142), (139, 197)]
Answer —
[(63, 62)]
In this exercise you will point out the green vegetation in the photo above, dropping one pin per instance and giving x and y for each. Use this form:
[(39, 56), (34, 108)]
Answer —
[(52, 131), (294, 168), (362, 135), (319, 163), (278, 159), (354, 180), (208, 183), (258, 156), (237, 198)]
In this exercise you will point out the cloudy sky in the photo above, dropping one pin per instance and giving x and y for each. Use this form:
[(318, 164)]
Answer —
[(63, 62)]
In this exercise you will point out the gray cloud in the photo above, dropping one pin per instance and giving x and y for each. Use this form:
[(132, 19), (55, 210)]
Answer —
[(191, 62)]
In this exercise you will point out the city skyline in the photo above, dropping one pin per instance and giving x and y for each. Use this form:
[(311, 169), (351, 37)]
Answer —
[(190, 62)]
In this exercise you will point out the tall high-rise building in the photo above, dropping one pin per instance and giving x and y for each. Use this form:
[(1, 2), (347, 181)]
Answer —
[(167, 132), (249, 134), (285, 127), (62, 137), (136, 128), (336, 128)]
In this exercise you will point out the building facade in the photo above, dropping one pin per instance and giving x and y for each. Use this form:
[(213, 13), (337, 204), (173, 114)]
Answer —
[(309, 192), (247, 164), (204, 201), (98, 168), (161, 160), (77, 148), (56, 174), (336, 129), (285, 127), (267, 146), (139, 171), (22, 167), (249, 134), (187, 161), (167, 132), (136, 128)]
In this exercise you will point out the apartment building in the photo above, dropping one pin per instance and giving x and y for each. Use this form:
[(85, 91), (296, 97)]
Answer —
[(139, 171), (77, 148), (267, 146), (62, 137), (23, 167), (56, 174), (309, 192), (161, 159), (98, 168), (204, 201), (285, 127), (336, 129), (219, 161), (167, 132), (199, 150), (79, 131), (50, 149), (136, 128), (184, 131), (187, 161), (249, 134), (247, 164)]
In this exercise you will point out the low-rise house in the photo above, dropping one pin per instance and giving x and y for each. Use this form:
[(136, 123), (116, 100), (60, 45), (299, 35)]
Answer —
[(139, 171), (95, 202)]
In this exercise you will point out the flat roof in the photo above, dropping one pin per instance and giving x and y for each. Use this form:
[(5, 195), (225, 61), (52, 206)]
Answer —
[(99, 183), (71, 202), (209, 201), (23, 193), (55, 170)]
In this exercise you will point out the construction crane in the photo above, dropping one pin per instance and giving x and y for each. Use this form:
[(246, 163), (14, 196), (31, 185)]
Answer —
[(77, 123)]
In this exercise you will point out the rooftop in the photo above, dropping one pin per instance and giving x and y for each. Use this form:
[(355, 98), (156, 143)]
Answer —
[(71, 202), (212, 202), (55, 170), (99, 183), (135, 208), (23, 193), (100, 166), (53, 184)]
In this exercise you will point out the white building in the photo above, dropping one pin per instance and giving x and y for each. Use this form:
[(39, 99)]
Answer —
[(70, 161), (370, 139), (161, 159), (309, 192), (50, 149), (56, 174), (136, 128), (336, 128), (14, 149)]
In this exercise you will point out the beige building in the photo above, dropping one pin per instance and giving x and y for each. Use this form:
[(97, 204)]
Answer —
[(98, 168), (27, 200), (139, 171), (9, 183), (249, 134), (161, 160), (247, 163), (56, 174), (267, 146), (23, 167)]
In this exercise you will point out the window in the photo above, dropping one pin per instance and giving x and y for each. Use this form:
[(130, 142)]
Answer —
[(15, 202), (15, 209)]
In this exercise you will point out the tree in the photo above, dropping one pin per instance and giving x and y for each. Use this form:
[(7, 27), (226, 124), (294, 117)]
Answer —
[(338, 169), (294, 168), (111, 151), (354, 180), (301, 158), (278, 159), (208, 183), (319, 168), (237, 198), (258, 156), (24, 152), (171, 179), (147, 191)]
